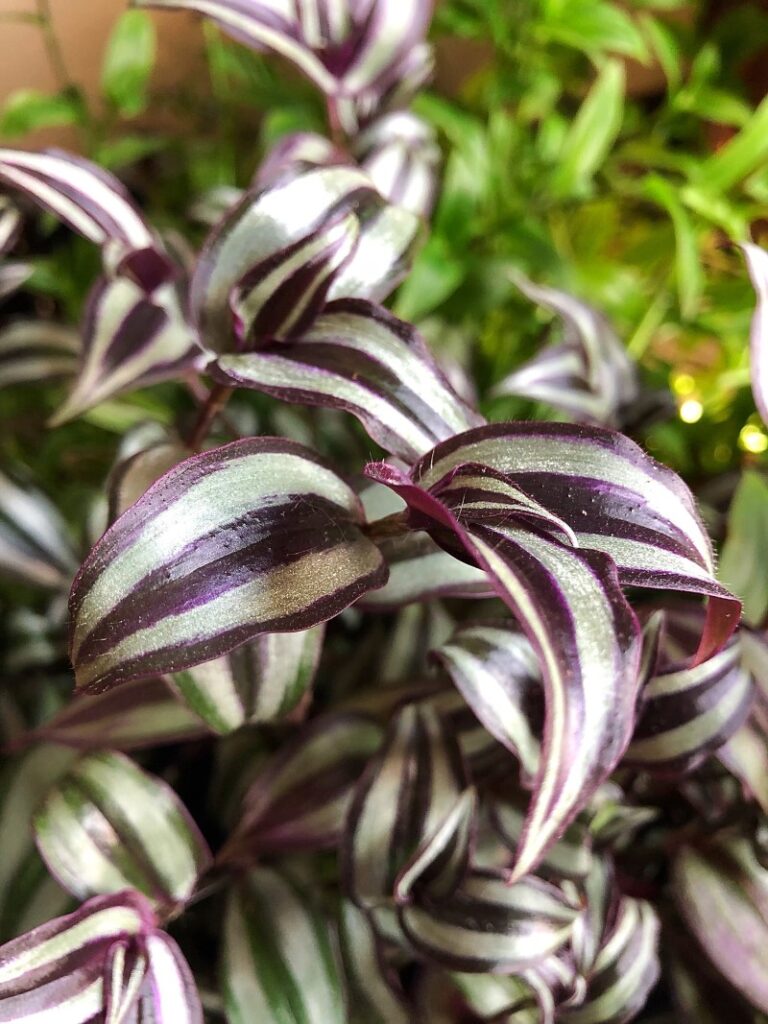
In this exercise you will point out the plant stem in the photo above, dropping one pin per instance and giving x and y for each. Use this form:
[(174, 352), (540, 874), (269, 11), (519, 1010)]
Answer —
[(214, 404), (55, 54)]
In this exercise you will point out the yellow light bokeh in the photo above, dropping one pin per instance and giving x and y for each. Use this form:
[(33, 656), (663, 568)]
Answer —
[(753, 439), (683, 384), (691, 410)]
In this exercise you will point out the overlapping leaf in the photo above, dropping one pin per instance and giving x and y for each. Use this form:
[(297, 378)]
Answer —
[(107, 961), (373, 996), (689, 713), (299, 798), (279, 962), (257, 536), (360, 358), (261, 681), (108, 826), (283, 250), (403, 798), (400, 153)]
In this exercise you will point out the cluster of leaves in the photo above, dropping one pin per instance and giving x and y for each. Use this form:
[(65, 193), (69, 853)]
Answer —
[(467, 732)]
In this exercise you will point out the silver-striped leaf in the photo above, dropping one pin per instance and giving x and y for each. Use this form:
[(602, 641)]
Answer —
[(270, 239), (35, 350), (96, 205), (400, 153), (570, 857), (690, 712), (257, 536), (35, 545), (298, 799), (404, 796), (130, 340), (279, 964), (142, 713), (495, 669), (108, 826), (360, 358), (489, 925), (374, 996), (263, 680), (722, 893)]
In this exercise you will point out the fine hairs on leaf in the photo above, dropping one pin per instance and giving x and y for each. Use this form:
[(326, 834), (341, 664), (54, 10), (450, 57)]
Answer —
[(363, 671)]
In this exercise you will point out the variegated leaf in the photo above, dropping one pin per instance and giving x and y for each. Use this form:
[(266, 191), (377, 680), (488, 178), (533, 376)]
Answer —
[(439, 866), (572, 609), (93, 203), (360, 358), (589, 375), (144, 713), (261, 681), (34, 350), (106, 962), (12, 277), (404, 796), (296, 153), (10, 224), (272, 241), (130, 340), (569, 857), (258, 536), (688, 713), (495, 669), (28, 895), (135, 473), (279, 962), (299, 798), (35, 546), (490, 925), (373, 995), (400, 153), (757, 265), (108, 826), (722, 893)]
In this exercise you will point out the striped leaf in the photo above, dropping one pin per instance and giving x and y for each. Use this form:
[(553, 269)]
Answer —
[(106, 962), (722, 894), (108, 826), (13, 276), (28, 895), (34, 350), (495, 669), (35, 546), (258, 536), (344, 49), (625, 968), (284, 249), (404, 796), (689, 713), (757, 265), (130, 340), (94, 204), (582, 630), (144, 713), (279, 962), (569, 857), (373, 995), (133, 474), (613, 496), (10, 224), (588, 375), (441, 863), (299, 798), (359, 358), (297, 153), (400, 153), (490, 925), (261, 681)]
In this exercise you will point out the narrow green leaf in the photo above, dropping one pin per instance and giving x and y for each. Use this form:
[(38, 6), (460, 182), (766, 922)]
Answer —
[(27, 110), (741, 156), (128, 62), (688, 269), (744, 559)]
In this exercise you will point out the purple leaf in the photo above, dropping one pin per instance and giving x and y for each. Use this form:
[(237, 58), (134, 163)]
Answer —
[(35, 350), (400, 153), (34, 540), (258, 536), (360, 358)]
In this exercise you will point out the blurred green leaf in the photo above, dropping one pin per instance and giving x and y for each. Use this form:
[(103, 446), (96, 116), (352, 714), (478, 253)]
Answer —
[(27, 110), (741, 156), (128, 149), (744, 559), (690, 278), (665, 48), (128, 63), (592, 26), (435, 276), (592, 133)]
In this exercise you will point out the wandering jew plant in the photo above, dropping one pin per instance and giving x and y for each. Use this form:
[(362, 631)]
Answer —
[(459, 727)]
